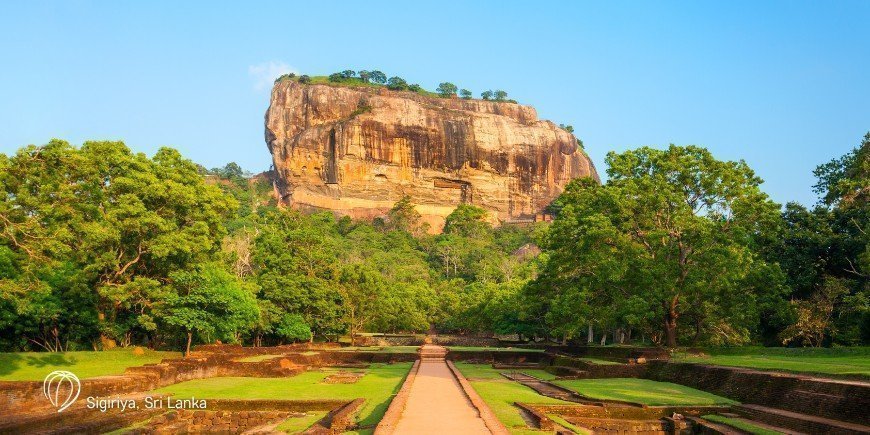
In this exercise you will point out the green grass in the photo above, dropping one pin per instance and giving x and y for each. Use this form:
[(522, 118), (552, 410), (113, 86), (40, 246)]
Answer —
[(643, 391), (378, 386), (492, 349), (854, 361), (567, 425), (382, 349), (486, 372), (300, 424), (740, 424), (34, 366), (257, 358), (500, 394)]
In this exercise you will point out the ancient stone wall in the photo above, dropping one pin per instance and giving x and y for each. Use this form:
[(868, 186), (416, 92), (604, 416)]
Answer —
[(840, 400)]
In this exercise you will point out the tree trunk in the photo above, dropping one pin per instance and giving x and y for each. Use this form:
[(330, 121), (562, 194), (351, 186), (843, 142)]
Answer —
[(590, 336), (189, 339), (670, 331), (670, 322), (604, 337)]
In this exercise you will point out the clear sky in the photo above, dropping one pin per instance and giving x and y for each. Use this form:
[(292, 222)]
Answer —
[(784, 85)]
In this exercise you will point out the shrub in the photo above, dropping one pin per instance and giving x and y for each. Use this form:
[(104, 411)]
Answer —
[(397, 84), (446, 89), (304, 79)]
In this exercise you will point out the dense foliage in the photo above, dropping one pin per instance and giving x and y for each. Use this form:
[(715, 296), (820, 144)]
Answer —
[(102, 247)]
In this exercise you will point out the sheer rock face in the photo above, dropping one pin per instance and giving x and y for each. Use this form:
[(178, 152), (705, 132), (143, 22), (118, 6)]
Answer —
[(357, 151)]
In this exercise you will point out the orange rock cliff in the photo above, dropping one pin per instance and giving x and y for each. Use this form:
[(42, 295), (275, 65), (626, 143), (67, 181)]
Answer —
[(358, 150)]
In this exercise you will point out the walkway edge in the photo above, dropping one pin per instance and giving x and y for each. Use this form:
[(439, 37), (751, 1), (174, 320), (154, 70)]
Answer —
[(388, 423), (489, 419)]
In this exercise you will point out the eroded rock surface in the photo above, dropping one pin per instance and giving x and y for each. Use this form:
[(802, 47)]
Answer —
[(358, 150)]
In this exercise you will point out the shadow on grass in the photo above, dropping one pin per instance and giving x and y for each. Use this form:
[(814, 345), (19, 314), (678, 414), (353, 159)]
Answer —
[(9, 363), (12, 362)]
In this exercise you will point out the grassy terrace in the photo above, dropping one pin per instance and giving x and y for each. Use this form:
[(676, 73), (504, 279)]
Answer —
[(34, 366), (500, 394), (853, 361), (378, 386), (643, 391), (740, 424)]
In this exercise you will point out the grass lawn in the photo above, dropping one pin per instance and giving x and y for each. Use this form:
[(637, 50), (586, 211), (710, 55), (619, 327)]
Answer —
[(378, 387), (300, 424), (853, 361), (381, 349), (491, 349), (643, 391), (486, 372), (740, 424), (500, 394), (34, 366)]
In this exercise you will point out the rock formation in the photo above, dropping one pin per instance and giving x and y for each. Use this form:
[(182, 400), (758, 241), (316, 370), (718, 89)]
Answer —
[(358, 150)]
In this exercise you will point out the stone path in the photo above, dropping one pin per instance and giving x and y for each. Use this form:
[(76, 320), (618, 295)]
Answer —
[(436, 403)]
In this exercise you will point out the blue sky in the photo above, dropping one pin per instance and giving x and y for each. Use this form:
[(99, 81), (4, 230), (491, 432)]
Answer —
[(781, 84)]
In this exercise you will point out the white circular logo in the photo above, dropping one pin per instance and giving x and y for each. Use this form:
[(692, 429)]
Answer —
[(61, 388)]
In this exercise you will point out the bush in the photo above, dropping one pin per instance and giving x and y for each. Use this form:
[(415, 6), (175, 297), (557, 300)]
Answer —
[(304, 79), (397, 84), (293, 328)]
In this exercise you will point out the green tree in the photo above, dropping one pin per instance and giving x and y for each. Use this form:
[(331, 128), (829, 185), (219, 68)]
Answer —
[(499, 95), (365, 76), (465, 94), (292, 327), (209, 301), (304, 78), (348, 73), (403, 216), (671, 228), (486, 95), (378, 77), (397, 84), (446, 89)]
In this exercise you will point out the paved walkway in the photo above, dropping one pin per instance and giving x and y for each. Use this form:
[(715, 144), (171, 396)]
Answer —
[(437, 404)]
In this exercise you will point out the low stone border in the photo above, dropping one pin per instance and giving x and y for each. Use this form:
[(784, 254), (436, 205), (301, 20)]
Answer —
[(543, 422), (489, 419), (391, 418)]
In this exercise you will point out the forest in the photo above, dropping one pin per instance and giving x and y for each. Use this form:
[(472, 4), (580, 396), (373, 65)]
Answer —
[(102, 247)]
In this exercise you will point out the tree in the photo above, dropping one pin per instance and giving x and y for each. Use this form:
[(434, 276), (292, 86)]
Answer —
[(465, 94), (568, 128), (336, 77), (486, 95), (813, 322), (105, 226), (378, 77), (468, 221), (304, 78), (415, 88), (361, 289), (364, 76), (348, 73), (403, 216), (292, 327), (210, 300), (669, 234), (397, 84), (446, 89), (500, 95)]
